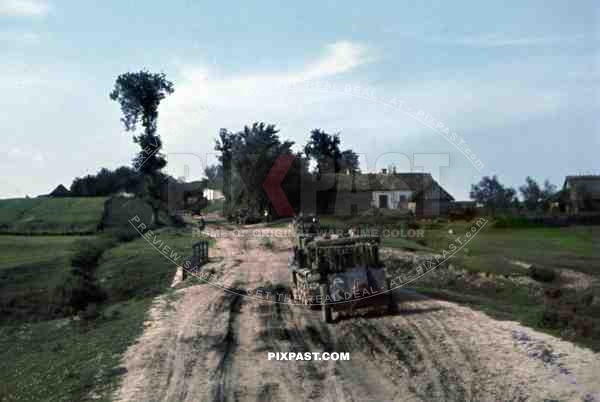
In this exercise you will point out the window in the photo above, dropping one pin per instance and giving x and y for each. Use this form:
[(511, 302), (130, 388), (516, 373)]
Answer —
[(383, 201)]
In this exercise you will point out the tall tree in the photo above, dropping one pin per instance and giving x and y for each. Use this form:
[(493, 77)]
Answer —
[(349, 162), (226, 144), (531, 193), (324, 149), (491, 193), (536, 197), (548, 193), (247, 158), (139, 95)]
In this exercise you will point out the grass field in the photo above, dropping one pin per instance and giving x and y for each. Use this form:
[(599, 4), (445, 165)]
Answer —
[(498, 281), (75, 360), (511, 291), (30, 267), (120, 210), (558, 248), (64, 360), (51, 215), (138, 269), (492, 249)]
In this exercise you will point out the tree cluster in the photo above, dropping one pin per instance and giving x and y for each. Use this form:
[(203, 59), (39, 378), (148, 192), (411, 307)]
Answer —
[(247, 157), (496, 197), (107, 182), (324, 149), (536, 198)]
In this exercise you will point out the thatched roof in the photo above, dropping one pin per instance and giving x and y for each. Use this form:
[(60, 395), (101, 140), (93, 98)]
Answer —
[(60, 191), (417, 183), (581, 185)]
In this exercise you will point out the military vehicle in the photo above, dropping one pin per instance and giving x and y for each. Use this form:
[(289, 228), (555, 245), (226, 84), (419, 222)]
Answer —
[(244, 216), (306, 225), (337, 274)]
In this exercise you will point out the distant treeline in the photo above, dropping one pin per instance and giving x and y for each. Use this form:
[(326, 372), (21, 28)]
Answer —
[(170, 193), (107, 182)]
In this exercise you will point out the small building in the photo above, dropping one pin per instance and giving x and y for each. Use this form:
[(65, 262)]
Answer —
[(60, 191), (416, 192), (212, 194), (581, 194)]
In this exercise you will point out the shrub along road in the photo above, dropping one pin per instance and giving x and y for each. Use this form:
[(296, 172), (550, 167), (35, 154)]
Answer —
[(202, 343)]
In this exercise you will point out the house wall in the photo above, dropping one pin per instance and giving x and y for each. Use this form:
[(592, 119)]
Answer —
[(434, 201), (582, 198), (364, 200), (347, 202), (211, 194), (394, 198)]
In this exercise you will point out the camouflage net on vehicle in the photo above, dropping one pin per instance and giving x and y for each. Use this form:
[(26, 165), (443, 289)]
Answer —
[(318, 258)]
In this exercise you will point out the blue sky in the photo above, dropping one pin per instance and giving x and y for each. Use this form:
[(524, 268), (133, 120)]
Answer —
[(517, 82)]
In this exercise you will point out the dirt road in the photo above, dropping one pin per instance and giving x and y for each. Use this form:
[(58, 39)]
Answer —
[(204, 344)]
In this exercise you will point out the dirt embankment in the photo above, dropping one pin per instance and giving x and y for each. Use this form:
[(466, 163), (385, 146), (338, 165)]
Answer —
[(205, 344)]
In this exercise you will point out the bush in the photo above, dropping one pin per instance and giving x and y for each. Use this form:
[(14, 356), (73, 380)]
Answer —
[(508, 222), (124, 234), (267, 243), (549, 319), (413, 225), (466, 214), (177, 221), (91, 312), (80, 289), (76, 293), (87, 252), (542, 274)]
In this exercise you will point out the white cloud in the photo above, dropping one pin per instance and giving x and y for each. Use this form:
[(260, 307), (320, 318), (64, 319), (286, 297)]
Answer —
[(341, 57), (198, 91), (198, 84), (24, 8), (203, 101)]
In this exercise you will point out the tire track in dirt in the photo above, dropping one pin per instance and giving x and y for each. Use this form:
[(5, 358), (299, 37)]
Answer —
[(440, 385), (382, 361), (460, 357), (213, 345), (227, 347), (281, 333)]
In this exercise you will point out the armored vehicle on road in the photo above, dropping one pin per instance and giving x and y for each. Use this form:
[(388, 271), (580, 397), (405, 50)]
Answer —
[(338, 274)]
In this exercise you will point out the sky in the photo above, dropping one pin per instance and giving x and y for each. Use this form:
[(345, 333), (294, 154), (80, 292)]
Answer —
[(460, 89)]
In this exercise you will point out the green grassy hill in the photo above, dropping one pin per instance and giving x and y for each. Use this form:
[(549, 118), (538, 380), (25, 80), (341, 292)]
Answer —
[(68, 215), (30, 268), (46, 357), (119, 211)]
